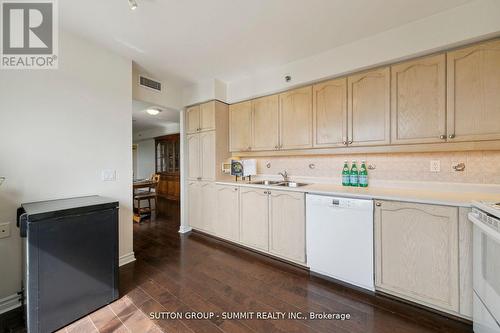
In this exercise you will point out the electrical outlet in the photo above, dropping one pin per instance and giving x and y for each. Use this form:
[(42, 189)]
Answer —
[(4, 230), (435, 166), (108, 175)]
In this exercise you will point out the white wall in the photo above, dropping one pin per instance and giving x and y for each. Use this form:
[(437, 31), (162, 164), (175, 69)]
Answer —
[(171, 128), (145, 158), (170, 97), (472, 21), (58, 130), (204, 91)]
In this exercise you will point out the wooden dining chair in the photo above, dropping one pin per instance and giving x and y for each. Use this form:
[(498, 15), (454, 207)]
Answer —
[(149, 195)]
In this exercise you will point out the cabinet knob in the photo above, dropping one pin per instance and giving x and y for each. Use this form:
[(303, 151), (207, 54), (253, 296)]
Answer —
[(451, 136), (236, 189), (276, 147), (249, 148), (344, 142), (443, 137), (350, 142), (378, 204)]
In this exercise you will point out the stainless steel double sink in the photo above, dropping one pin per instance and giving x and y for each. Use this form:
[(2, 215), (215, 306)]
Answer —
[(278, 183)]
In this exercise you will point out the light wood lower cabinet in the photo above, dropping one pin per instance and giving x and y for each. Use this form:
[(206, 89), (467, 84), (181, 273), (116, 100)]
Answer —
[(201, 205), (254, 218), (194, 204), (416, 253), (287, 225), (227, 221)]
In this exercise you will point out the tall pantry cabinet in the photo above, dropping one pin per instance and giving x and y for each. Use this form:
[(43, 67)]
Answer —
[(206, 148)]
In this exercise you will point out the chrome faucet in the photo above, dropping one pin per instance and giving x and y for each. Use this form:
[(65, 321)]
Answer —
[(285, 176)]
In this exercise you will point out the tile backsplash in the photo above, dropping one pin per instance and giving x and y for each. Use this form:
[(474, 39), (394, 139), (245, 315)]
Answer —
[(481, 167)]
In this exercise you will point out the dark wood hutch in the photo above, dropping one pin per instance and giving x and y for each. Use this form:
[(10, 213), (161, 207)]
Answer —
[(167, 160)]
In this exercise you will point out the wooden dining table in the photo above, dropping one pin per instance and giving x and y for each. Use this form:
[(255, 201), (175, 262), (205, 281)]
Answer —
[(145, 183)]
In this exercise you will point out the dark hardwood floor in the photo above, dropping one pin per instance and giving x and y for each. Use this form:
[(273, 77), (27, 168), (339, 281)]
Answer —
[(194, 272)]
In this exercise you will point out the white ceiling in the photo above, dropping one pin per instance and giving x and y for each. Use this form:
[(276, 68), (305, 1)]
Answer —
[(192, 40), (142, 121)]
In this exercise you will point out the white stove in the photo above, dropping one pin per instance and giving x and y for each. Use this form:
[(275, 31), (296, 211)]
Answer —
[(486, 266)]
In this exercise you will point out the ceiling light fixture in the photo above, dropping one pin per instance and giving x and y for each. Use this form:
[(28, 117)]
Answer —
[(133, 4), (153, 111)]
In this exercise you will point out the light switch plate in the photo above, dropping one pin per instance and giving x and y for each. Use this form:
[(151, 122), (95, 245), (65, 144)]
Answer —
[(108, 175), (435, 166), (4, 230)]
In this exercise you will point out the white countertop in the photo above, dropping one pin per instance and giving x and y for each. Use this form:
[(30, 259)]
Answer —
[(427, 196)]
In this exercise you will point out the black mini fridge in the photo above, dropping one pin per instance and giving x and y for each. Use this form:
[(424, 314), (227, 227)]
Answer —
[(70, 259)]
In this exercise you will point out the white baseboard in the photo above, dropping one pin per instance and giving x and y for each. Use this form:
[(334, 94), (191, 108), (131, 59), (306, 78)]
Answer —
[(184, 229), (9, 303), (126, 259)]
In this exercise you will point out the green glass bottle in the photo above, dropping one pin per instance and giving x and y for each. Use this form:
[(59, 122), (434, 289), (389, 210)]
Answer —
[(346, 174), (354, 176), (363, 175)]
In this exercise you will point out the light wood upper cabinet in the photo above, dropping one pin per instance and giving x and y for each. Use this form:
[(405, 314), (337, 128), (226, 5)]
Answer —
[(265, 123), (418, 101), (254, 218), (207, 116), (240, 126), (194, 156), (193, 119), (473, 92), (416, 251), (296, 118), (330, 113), (287, 225), (369, 108), (207, 152), (227, 219)]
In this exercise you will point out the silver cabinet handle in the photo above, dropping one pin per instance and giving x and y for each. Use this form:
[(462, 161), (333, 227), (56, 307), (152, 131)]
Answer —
[(378, 204), (451, 136), (442, 137)]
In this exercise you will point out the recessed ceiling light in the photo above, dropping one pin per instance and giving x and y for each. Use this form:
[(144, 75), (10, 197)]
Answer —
[(153, 111), (133, 4)]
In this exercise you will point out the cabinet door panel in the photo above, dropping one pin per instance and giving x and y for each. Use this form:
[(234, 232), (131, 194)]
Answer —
[(265, 123), (419, 101), (240, 126), (227, 221), (473, 93), (296, 118), (207, 151), (207, 206), (330, 113), (193, 119), (193, 150), (207, 116), (287, 225), (417, 253), (194, 204), (369, 108), (254, 218)]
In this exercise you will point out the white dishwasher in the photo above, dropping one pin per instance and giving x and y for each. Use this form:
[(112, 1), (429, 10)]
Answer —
[(340, 239)]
